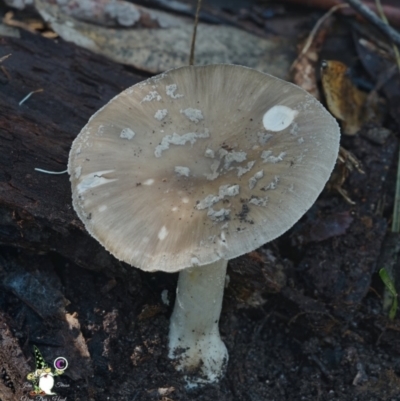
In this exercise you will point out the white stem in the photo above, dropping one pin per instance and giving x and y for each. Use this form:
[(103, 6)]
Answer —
[(194, 338)]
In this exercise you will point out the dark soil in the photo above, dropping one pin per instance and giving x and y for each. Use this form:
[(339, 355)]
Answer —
[(302, 316)]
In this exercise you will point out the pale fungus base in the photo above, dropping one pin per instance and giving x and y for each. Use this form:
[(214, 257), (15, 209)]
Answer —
[(194, 335), (194, 167), (200, 164)]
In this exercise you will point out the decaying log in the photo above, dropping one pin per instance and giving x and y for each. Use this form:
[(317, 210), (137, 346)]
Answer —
[(35, 208)]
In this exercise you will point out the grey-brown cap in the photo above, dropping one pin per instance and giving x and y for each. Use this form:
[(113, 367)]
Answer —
[(199, 164)]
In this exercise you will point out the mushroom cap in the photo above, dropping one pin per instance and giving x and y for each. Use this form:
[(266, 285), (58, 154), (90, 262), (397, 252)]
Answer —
[(200, 164)]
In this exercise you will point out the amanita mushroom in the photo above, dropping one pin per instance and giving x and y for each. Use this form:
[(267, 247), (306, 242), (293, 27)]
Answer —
[(192, 168)]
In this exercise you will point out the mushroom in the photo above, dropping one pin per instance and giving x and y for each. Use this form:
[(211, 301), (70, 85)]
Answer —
[(192, 168)]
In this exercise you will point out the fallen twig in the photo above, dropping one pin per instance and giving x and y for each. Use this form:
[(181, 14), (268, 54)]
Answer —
[(5, 72), (40, 170), (196, 21), (28, 96), (370, 16), (5, 57)]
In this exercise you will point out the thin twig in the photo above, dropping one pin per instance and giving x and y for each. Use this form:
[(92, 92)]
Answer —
[(5, 57), (50, 172), (28, 96), (196, 21), (5, 72), (369, 15)]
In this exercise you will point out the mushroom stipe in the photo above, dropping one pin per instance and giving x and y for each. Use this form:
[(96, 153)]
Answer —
[(194, 167)]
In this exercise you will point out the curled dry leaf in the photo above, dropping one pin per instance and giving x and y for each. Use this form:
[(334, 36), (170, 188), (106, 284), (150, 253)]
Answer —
[(304, 72), (353, 107), (344, 100), (158, 49), (305, 66)]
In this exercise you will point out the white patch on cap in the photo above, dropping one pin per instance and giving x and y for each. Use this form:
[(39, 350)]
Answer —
[(278, 118), (244, 170), (294, 130), (194, 261), (224, 190), (171, 89), (300, 140), (127, 133), (78, 171), (176, 139), (228, 190), (100, 130), (300, 158), (159, 77), (222, 236), (272, 185), (214, 168), (234, 157), (222, 152), (257, 176), (185, 200), (160, 114), (184, 171), (218, 215), (162, 234), (175, 209), (263, 137), (102, 208), (93, 180), (207, 202), (194, 115), (151, 96), (209, 153), (269, 158), (259, 201), (148, 182)]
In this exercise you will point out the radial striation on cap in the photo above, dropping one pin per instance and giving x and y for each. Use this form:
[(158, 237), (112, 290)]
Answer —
[(200, 164)]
